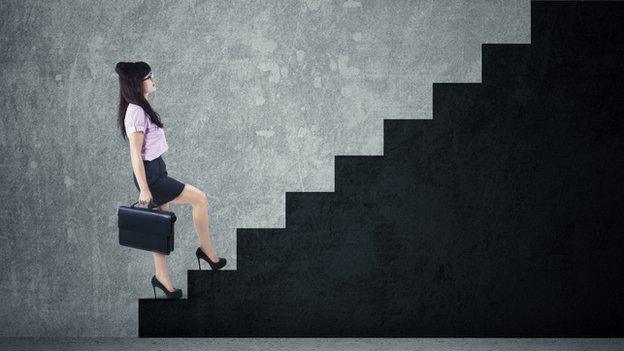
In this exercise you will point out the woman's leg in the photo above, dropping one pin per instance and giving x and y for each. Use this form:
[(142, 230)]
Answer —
[(160, 262), (199, 201)]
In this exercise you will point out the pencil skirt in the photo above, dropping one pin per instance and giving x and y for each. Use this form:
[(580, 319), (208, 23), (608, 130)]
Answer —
[(163, 187)]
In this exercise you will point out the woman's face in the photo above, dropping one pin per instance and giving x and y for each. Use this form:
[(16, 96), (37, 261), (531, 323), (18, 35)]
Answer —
[(149, 84)]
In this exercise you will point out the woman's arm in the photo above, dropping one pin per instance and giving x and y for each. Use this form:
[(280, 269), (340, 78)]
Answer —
[(136, 142)]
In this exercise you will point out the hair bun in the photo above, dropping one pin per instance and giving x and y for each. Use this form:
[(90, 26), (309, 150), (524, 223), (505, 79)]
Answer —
[(123, 68)]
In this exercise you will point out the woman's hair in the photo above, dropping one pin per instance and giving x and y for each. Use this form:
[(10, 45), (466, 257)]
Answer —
[(131, 76)]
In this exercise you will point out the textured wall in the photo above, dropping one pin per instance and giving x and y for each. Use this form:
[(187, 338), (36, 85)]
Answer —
[(256, 98)]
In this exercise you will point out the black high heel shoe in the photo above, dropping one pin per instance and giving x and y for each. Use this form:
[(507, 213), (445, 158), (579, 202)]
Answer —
[(176, 294), (214, 265)]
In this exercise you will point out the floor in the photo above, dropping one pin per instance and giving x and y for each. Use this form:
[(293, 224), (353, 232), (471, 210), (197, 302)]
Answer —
[(273, 344)]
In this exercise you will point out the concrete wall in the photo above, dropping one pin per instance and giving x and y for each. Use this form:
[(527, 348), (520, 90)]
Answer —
[(256, 97)]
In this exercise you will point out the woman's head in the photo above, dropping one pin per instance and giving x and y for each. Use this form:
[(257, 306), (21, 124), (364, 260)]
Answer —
[(136, 82)]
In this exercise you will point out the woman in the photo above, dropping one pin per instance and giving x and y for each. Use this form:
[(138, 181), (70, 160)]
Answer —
[(141, 125)]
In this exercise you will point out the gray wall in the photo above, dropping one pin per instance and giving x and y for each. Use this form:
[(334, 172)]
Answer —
[(256, 98)]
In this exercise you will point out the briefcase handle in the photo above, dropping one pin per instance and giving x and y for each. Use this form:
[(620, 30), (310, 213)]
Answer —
[(147, 205), (173, 216)]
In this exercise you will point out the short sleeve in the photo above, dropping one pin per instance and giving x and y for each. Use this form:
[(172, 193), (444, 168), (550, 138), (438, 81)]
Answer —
[(135, 120)]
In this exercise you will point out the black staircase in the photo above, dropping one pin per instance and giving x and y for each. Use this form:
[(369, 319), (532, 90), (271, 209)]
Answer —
[(502, 216)]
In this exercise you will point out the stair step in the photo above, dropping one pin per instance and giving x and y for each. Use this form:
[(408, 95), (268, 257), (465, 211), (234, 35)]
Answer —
[(197, 317), (453, 100), (303, 207), (206, 283), (252, 238), (209, 285), (400, 135), (157, 316), (354, 173), (457, 106), (307, 214), (577, 24), (505, 63), (579, 40), (425, 152), (260, 247)]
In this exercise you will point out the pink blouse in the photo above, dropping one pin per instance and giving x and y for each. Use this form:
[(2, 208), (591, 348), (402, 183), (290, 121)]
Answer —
[(154, 141)]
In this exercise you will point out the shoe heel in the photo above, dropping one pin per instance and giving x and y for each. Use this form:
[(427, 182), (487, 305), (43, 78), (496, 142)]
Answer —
[(213, 265), (198, 263), (170, 294)]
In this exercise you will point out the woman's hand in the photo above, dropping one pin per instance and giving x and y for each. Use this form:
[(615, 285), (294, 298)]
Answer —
[(145, 197)]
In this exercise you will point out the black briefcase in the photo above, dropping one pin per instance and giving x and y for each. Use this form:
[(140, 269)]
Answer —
[(146, 229)]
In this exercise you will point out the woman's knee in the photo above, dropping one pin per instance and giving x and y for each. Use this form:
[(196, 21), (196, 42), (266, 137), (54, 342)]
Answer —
[(199, 198), (202, 199), (191, 195)]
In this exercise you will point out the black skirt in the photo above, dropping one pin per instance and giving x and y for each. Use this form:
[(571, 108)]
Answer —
[(162, 187)]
